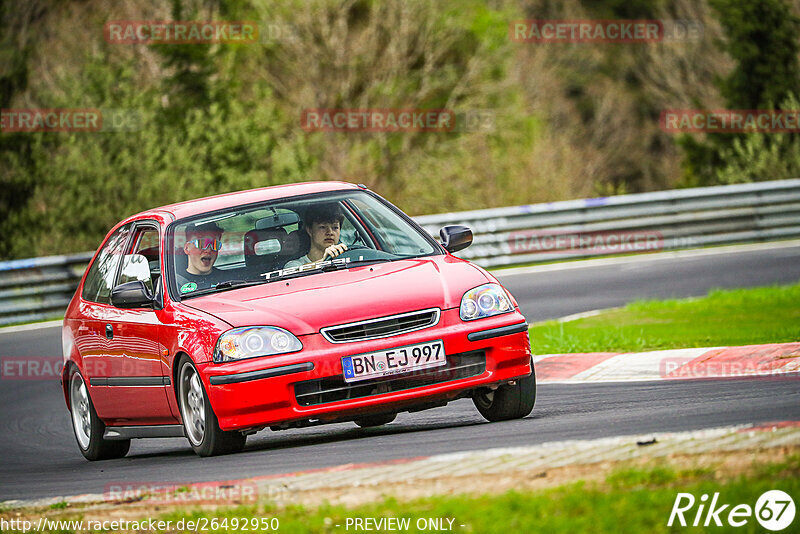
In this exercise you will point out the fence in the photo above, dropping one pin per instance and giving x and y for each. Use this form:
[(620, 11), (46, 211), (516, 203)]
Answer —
[(683, 218), (37, 288)]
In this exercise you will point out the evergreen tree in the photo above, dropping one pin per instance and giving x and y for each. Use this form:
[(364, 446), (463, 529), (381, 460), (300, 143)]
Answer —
[(762, 39)]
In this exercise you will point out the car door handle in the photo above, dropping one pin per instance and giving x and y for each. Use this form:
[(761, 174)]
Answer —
[(109, 331)]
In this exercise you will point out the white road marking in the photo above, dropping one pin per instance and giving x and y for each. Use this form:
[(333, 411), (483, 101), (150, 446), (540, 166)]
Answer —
[(31, 326)]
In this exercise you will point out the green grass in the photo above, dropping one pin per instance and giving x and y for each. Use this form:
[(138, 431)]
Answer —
[(631, 500), (723, 317)]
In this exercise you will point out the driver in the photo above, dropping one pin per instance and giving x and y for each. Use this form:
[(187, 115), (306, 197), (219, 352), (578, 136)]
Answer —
[(203, 242), (322, 223)]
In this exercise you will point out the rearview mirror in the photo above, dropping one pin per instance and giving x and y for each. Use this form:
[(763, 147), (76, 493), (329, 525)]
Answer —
[(455, 237)]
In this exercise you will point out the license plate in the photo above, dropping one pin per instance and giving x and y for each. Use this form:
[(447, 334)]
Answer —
[(394, 361)]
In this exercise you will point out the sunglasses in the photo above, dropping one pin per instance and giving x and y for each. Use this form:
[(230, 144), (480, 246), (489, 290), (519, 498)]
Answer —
[(206, 243)]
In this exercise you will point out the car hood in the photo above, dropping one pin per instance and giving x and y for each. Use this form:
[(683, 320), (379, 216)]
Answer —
[(305, 305)]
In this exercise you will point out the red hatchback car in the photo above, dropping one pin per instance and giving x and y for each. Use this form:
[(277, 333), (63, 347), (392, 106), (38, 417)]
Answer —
[(283, 307)]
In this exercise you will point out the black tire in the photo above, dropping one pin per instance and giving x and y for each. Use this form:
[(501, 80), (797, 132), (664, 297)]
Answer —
[(87, 426), (375, 420), (507, 402), (200, 424)]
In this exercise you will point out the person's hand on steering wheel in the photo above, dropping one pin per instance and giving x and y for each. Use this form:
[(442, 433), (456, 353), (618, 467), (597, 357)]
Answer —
[(333, 251)]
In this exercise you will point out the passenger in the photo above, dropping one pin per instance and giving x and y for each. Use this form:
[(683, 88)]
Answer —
[(203, 242), (322, 223)]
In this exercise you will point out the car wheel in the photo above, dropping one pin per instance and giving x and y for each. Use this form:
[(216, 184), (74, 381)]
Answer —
[(507, 402), (199, 421), (88, 427), (375, 420)]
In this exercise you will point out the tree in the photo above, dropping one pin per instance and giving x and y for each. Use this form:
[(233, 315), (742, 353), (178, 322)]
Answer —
[(16, 183), (761, 37)]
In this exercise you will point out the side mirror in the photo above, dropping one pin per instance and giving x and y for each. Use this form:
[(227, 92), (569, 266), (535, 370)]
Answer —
[(132, 295), (455, 238), (135, 267)]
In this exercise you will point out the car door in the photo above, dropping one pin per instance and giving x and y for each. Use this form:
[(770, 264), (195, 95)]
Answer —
[(96, 312), (138, 383)]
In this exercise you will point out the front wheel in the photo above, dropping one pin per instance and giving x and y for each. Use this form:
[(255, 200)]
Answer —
[(88, 427), (199, 422), (507, 402)]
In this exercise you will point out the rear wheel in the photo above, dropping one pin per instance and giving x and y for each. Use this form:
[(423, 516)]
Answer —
[(375, 420), (88, 427), (199, 421), (507, 402)]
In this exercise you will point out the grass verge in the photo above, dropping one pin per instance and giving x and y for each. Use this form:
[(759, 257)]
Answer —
[(631, 499), (723, 317)]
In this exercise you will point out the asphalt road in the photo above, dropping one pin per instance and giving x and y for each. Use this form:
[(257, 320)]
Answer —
[(545, 293), (40, 457)]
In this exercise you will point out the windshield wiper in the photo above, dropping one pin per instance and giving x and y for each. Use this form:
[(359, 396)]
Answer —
[(327, 268), (293, 275), (346, 265), (229, 284), (222, 286)]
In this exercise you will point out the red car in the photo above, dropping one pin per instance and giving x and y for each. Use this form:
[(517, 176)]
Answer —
[(283, 307)]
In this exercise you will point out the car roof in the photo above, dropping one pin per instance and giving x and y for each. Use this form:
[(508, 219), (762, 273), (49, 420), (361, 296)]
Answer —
[(189, 208)]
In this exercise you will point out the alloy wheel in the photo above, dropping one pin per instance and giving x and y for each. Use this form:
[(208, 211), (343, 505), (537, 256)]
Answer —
[(193, 404)]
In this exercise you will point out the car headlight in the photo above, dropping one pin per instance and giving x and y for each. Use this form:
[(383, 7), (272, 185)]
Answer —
[(252, 341), (484, 301)]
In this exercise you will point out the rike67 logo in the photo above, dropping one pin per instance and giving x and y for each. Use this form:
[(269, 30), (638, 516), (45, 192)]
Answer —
[(774, 510)]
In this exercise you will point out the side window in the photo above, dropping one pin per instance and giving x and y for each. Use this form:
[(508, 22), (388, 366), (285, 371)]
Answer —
[(100, 278), (146, 243), (348, 234)]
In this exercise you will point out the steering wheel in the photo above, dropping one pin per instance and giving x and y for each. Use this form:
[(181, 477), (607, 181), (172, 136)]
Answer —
[(349, 248), (368, 253), (354, 251)]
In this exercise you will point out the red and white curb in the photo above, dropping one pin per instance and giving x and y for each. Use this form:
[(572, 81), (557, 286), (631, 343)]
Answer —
[(282, 489), (778, 360)]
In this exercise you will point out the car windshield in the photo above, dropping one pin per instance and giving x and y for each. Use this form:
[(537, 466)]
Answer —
[(256, 244)]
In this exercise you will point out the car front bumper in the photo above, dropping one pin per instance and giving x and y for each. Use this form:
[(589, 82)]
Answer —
[(308, 385)]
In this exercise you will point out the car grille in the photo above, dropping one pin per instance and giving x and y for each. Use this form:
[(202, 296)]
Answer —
[(382, 327), (334, 388)]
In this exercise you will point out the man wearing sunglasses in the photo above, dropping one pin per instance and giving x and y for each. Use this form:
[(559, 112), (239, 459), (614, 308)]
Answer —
[(203, 242)]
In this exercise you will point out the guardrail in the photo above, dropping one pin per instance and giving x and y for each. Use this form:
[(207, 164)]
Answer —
[(666, 220), (38, 288)]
